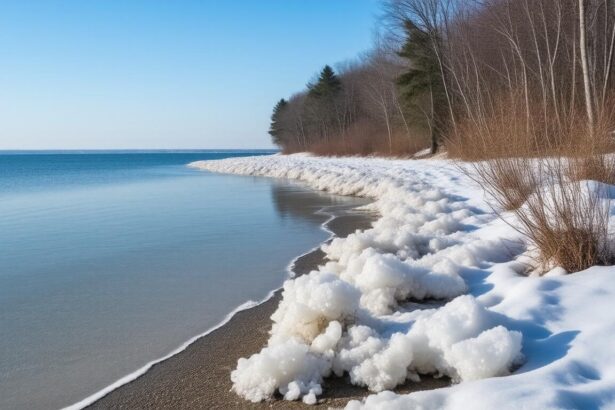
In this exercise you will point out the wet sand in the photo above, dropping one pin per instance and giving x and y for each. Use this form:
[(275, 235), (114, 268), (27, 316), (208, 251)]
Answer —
[(199, 377)]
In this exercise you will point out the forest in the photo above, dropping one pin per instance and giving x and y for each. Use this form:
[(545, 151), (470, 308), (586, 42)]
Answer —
[(477, 79)]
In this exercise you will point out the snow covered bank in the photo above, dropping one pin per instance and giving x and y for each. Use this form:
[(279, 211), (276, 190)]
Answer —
[(436, 239)]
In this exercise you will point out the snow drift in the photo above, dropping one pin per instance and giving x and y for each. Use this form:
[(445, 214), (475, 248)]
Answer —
[(435, 239)]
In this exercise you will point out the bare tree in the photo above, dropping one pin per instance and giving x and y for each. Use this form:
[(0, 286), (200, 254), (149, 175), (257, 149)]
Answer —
[(585, 66)]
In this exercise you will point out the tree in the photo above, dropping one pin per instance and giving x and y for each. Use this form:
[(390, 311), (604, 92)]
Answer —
[(327, 85), (380, 93), (423, 79), (585, 67), (322, 103), (275, 129)]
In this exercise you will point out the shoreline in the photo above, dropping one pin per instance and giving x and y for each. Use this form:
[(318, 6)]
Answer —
[(340, 221), (199, 375), (436, 229)]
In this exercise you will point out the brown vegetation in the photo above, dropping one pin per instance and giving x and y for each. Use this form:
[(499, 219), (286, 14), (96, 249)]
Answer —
[(523, 89), (355, 112), (563, 213), (532, 93)]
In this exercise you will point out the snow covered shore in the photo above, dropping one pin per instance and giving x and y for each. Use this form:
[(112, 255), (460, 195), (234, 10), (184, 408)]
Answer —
[(436, 239)]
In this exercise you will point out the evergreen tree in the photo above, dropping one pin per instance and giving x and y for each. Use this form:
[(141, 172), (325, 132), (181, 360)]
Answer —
[(424, 79), (275, 129), (327, 85), (321, 104)]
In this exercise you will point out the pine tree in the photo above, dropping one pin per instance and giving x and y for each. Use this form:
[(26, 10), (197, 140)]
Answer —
[(327, 85), (275, 129), (423, 79), (321, 103)]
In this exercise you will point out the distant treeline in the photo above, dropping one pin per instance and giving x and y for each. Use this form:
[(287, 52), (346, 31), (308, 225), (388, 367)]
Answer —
[(357, 111), (482, 78)]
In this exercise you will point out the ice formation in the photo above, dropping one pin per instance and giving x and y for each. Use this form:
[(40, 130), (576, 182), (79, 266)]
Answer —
[(435, 238)]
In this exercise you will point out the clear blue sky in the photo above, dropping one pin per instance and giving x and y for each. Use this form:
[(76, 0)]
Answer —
[(89, 74)]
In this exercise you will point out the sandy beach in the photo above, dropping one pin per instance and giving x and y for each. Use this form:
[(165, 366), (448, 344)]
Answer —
[(199, 377)]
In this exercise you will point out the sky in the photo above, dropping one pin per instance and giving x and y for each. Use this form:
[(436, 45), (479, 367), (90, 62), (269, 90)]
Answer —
[(164, 74)]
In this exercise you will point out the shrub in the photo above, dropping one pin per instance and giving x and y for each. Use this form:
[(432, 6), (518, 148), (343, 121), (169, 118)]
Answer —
[(566, 219)]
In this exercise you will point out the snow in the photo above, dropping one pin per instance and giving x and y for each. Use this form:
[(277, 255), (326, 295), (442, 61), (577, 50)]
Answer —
[(506, 340), (310, 303), (289, 367)]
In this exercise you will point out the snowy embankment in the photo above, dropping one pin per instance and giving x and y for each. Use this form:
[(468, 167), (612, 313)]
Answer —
[(436, 239)]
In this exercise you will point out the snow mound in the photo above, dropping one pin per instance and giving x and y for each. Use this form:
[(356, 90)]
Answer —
[(334, 320), (436, 243), (492, 353), (309, 303), (289, 367)]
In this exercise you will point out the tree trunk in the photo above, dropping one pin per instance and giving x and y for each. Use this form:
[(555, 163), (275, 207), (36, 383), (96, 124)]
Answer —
[(434, 142), (585, 67), (434, 135)]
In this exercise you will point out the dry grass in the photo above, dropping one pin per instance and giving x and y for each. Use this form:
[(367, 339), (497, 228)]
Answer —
[(599, 168), (506, 180), (542, 173), (363, 138), (566, 219)]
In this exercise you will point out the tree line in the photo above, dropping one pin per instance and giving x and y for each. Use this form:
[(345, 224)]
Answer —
[(357, 110), (482, 78)]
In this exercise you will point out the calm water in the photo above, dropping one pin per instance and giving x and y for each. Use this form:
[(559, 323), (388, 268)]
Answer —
[(109, 261)]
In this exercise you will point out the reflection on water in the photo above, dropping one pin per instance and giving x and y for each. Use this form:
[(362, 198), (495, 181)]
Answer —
[(292, 200)]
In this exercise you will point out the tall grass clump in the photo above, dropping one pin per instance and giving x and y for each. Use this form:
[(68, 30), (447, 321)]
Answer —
[(549, 169), (560, 195), (567, 220)]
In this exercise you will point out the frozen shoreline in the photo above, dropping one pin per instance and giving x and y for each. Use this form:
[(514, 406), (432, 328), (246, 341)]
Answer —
[(435, 219)]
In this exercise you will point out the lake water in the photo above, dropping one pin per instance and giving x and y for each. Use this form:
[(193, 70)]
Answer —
[(111, 260)]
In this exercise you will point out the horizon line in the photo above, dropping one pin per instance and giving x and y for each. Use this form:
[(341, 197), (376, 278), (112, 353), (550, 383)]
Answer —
[(75, 150)]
